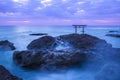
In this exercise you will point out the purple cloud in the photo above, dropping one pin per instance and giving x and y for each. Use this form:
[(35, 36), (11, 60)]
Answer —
[(60, 11)]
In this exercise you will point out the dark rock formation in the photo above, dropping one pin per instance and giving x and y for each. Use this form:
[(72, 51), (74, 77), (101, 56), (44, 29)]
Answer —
[(42, 59), (28, 59), (83, 41), (38, 34), (114, 35), (113, 31), (46, 42), (42, 53), (6, 75), (6, 45)]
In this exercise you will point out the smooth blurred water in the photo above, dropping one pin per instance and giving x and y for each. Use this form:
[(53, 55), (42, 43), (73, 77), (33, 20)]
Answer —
[(19, 35)]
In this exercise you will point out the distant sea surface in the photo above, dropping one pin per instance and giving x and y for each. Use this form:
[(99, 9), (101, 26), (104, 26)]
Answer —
[(19, 35)]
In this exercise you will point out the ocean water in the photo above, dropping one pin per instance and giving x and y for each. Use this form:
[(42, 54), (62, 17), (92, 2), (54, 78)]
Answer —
[(19, 35)]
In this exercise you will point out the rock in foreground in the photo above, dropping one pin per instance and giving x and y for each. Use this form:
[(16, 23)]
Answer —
[(42, 52), (42, 59), (6, 45), (6, 75), (28, 58)]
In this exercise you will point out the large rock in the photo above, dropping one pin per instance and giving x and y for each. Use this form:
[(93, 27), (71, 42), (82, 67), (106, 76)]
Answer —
[(42, 59), (43, 54), (43, 43), (6, 45), (84, 41), (6, 75), (76, 41)]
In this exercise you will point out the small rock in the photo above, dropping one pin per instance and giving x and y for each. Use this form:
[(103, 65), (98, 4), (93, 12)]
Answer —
[(113, 35), (113, 31), (6, 45), (38, 34)]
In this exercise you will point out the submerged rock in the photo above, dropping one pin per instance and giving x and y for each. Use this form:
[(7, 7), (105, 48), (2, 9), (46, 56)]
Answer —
[(6, 45), (113, 31), (47, 59), (6, 75), (114, 35), (43, 43), (38, 34)]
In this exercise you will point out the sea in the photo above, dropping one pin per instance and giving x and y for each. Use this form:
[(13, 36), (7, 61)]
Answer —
[(19, 35)]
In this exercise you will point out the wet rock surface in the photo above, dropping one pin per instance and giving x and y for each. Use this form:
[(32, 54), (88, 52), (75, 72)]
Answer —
[(6, 75), (42, 52), (28, 59), (83, 41), (6, 45), (46, 42)]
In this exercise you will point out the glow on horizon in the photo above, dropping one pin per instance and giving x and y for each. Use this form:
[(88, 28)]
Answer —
[(61, 12), (62, 22)]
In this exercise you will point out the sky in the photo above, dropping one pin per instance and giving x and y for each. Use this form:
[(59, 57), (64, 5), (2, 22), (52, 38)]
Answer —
[(59, 12)]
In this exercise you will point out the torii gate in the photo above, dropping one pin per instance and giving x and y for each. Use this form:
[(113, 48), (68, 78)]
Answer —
[(80, 26)]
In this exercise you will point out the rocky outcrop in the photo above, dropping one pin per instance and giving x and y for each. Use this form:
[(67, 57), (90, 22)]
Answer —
[(77, 41), (43, 43), (6, 45), (84, 41), (40, 59), (114, 35), (38, 34), (42, 52), (6, 75), (113, 31)]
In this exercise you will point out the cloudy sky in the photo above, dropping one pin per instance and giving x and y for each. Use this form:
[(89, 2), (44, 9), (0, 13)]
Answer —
[(36, 12)]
